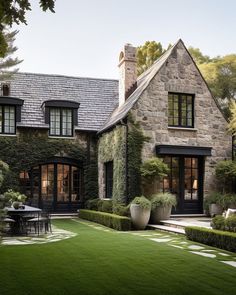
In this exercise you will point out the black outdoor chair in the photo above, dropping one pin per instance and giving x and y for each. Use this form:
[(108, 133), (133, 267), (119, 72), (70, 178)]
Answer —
[(42, 222)]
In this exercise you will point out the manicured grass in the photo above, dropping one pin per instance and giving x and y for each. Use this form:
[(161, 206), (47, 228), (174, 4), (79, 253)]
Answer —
[(97, 263)]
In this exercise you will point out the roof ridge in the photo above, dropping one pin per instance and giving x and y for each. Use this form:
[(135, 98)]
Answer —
[(65, 76)]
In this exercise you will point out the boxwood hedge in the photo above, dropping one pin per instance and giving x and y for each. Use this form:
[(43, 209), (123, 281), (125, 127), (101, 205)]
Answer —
[(216, 238), (110, 220)]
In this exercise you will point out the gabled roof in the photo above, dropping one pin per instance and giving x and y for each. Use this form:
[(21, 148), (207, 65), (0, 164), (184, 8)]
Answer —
[(142, 82), (97, 98)]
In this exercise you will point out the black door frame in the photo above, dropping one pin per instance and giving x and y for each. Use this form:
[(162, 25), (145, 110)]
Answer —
[(191, 206)]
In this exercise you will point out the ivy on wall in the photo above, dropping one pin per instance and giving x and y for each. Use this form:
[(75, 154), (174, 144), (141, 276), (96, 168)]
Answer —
[(136, 140), (33, 147), (112, 147)]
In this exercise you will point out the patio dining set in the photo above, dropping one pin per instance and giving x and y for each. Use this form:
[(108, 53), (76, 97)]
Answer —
[(26, 220)]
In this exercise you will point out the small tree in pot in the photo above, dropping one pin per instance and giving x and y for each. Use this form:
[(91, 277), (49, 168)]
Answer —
[(161, 206), (153, 170), (140, 209)]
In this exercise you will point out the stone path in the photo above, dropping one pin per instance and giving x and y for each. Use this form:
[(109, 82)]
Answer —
[(57, 234), (176, 241)]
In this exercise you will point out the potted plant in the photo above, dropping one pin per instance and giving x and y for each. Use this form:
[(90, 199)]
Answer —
[(214, 204), (161, 206), (15, 198), (140, 209)]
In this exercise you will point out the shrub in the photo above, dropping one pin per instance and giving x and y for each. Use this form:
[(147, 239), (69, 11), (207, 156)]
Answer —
[(218, 222), (13, 196), (154, 168), (163, 199), (120, 209), (228, 201), (226, 173), (142, 202), (105, 206), (213, 198), (230, 223), (107, 219), (215, 238), (92, 204)]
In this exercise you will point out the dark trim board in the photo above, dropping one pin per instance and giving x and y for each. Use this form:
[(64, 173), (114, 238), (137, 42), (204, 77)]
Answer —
[(183, 150)]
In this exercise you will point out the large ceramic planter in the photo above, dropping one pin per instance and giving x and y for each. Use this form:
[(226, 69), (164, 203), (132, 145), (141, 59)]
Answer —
[(215, 209), (139, 216), (160, 213)]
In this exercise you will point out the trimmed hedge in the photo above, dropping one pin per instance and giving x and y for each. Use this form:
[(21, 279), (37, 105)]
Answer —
[(220, 239), (110, 220)]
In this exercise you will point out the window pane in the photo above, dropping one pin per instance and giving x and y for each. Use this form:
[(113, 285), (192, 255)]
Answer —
[(9, 119), (0, 119), (67, 122), (74, 184), (55, 121)]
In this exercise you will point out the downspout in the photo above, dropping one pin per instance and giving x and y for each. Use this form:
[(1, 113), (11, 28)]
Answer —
[(126, 159)]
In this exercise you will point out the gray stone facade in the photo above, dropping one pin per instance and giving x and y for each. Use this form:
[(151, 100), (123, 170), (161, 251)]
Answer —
[(179, 74)]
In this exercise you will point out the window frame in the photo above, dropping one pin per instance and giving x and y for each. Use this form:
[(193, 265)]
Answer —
[(180, 104), (2, 130), (61, 122), (109, 167)]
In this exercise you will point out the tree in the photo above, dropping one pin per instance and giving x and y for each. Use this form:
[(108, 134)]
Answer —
[(198, 57), (13, 12), (147, 54), (7, 62)]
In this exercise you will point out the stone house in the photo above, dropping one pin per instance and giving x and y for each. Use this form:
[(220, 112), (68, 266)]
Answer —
[(88, 137)]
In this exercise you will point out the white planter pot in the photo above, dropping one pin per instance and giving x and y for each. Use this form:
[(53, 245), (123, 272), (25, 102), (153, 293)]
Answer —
[(215, 209), (139, 216), (160, 213)]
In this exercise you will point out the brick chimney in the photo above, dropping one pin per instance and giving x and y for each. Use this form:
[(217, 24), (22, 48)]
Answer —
[(128, 72)]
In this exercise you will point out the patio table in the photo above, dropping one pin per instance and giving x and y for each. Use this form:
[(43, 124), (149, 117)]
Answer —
[(19, 214)]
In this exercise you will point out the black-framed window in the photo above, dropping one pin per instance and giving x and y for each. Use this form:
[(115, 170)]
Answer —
[(61, 122), (7, 119), (181, 110), (108, 179)]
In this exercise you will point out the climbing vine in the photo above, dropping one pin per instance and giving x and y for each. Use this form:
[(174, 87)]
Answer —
[(136, 140), (31, 148), (112, 147)]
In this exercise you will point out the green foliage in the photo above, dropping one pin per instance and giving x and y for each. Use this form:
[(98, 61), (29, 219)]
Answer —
[(142, 202), (198, 57), (4, 168), (7, 61), (218, 222), (13, 12), (232, 122), (13, 196), (213, 198), (162, 200), (220, 239), (226, 173), (33, 148), (230, 223), (107, 219), (105, 206), (136, 140), (120, 209), (147, 54), (154, 168), (92, 204)]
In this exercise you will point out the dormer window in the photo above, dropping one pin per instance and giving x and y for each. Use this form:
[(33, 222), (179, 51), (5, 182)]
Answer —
[(5, 89), (7, 119), (61, 122), (62, 116)]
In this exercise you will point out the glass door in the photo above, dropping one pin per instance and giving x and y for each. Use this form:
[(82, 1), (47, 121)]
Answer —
[(185, 180)]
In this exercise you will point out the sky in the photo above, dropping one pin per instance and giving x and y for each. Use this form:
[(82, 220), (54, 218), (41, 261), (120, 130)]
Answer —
[(84, 37)]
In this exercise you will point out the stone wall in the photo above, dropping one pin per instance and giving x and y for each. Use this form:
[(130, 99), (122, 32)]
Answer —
[(180, 74)]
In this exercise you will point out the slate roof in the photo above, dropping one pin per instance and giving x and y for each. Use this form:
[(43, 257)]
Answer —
[(142, 82), (97, 98)]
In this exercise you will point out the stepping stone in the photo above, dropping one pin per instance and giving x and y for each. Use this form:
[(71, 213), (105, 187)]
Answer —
[(223, 254), (195, 247), (146, 235), (232, 263), (176, 246), (204, 254), (161, 240), (183, 243), (208, 250)]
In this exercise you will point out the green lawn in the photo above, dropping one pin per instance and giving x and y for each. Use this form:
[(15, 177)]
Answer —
[(97, 262)]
